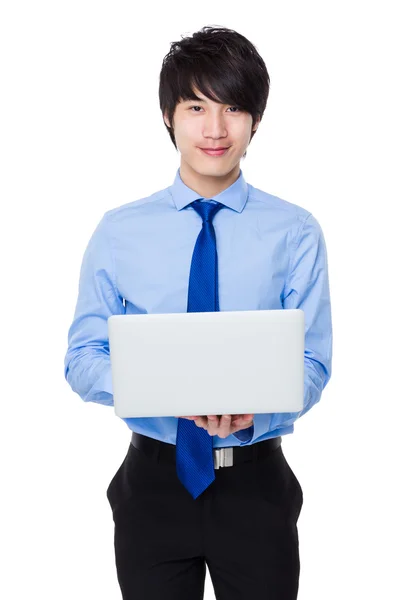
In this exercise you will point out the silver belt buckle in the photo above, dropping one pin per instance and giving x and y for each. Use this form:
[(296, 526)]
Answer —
[(223, 457)]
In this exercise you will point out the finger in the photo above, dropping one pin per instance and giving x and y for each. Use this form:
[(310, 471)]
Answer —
[(225, 426), (245, 418), (213, 424), (242, 425), (201, 421)]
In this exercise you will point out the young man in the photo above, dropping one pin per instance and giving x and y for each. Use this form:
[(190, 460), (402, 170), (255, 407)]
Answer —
[(172, 252)]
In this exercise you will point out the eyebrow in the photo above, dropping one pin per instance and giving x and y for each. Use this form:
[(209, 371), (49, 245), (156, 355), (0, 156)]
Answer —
[(199, 99)]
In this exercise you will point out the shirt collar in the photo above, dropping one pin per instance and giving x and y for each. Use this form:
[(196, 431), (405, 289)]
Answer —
[(235, 196)]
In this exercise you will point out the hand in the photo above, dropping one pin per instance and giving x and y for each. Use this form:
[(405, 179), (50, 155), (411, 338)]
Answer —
[(223, 426)]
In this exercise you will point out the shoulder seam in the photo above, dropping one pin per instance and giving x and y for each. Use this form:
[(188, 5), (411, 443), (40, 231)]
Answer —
[(108, 234), (142, 202), (296, 241)]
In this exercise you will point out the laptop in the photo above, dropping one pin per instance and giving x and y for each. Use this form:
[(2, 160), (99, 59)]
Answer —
[(207, 363)]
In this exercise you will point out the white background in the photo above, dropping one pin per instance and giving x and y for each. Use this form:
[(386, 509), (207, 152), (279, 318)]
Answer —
[(81, 133)]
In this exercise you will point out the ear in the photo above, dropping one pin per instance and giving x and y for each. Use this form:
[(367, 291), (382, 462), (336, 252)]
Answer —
[(166, 121), (256, 124)]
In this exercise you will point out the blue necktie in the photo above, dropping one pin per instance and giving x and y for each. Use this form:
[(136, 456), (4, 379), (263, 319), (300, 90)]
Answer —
[(194, 445)]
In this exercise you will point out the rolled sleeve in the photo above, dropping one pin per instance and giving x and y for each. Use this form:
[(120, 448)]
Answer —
[(87, 365), (307, 288)]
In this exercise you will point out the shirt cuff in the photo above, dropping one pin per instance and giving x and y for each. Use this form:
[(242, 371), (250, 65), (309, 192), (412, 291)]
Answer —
[(261, 425), (245, 435), (102, 390)]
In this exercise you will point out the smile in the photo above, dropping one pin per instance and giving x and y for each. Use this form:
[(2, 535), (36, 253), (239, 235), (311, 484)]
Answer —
[(214, 152)]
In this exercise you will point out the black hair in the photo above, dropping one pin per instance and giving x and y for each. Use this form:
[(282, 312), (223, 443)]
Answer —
[(223, 64)]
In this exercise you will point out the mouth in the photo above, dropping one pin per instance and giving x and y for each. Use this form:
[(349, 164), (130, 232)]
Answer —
[(219, 152)]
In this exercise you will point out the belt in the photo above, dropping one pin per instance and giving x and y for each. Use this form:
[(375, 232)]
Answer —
[(222, 457)]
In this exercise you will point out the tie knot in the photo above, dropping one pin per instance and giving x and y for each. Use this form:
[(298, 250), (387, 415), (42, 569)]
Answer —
[(207, 210)]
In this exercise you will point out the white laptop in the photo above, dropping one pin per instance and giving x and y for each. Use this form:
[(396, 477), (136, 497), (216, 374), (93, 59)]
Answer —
[(207, 363)]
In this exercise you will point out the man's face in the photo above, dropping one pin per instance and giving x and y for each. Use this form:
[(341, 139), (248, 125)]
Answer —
[(208, 124)]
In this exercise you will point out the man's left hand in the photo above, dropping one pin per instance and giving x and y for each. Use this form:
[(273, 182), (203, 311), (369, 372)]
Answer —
[(223, 426)]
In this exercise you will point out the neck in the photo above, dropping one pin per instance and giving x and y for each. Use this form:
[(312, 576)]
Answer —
[(207, 186)]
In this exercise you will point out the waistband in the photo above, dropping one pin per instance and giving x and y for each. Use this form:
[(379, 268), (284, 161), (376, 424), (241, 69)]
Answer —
[(222, 457)]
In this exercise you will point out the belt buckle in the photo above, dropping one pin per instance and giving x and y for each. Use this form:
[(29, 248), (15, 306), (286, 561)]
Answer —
[(223, 457)]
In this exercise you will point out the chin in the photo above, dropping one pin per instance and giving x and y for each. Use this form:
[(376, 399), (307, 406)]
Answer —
[(215, 171), (208, 168)]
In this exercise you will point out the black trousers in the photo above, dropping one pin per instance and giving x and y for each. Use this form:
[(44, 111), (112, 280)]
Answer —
[(243, 527)]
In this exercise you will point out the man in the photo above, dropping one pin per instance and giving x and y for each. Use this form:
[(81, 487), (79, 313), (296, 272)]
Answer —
[(173, 512)]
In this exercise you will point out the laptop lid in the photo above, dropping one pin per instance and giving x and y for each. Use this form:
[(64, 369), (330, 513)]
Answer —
[(204, 363)]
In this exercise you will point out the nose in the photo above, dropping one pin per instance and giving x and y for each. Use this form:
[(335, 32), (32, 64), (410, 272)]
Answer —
[(214, 127)]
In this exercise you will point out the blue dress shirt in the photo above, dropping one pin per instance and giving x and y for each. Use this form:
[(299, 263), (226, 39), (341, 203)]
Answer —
[(271, 255)]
